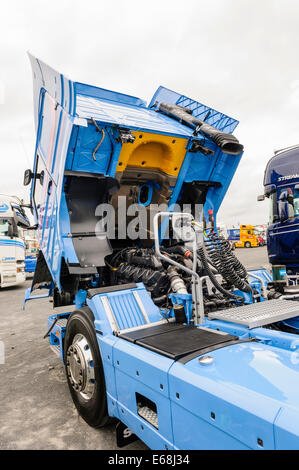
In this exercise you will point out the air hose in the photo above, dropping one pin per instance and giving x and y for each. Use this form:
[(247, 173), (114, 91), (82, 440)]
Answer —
[(227, 264), (205, 263)]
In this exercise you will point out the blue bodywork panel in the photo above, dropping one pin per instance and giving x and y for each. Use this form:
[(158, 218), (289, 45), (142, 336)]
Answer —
[(30, 264), (234, 234), (205, 113), (246, 399), (282, 174)]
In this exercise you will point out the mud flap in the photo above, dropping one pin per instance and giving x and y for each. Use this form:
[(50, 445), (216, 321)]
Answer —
[(124, 436)]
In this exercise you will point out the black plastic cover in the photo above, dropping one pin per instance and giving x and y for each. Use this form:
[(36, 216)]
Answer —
[(175, 340)]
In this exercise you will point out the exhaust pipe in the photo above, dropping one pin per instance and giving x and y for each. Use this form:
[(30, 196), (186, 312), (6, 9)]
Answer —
[(228, 143)]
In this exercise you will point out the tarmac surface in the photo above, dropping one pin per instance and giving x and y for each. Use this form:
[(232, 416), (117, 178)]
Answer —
[(36, 410)]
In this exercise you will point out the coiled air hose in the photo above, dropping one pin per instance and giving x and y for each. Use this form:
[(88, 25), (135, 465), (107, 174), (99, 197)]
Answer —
[(205, 263), (227, 264)]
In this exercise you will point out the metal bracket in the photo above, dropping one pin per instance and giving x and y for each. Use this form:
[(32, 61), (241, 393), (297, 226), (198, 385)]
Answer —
[(125, 136), (27, 296), (196, 146), (196, 290)]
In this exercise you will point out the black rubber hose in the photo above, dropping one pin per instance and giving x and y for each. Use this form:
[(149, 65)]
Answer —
[(228, 143), (212, 267), (204, 261), (226, 263)]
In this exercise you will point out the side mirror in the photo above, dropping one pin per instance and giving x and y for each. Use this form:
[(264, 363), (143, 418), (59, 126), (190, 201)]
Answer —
[(261, 197), (10, 230), (28, 175)]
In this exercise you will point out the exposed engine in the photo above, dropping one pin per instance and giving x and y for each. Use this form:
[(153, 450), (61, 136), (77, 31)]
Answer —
[(223, 272)]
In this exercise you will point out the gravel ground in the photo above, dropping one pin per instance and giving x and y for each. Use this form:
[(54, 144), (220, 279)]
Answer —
[(36, 411)]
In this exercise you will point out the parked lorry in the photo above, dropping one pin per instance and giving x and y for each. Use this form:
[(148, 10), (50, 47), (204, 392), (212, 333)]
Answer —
[(244, 237), (261, 233), (31, 250), (281, 188), (12, 246), (158, 324)]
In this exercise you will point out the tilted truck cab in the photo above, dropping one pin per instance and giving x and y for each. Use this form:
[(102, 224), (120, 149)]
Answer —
[(157, 322)]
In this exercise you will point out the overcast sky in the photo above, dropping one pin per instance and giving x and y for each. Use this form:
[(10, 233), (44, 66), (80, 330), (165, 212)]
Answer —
[(238, 56)]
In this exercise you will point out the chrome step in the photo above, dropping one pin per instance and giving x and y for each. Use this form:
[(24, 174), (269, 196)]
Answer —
[(148, 415), (61, 323)]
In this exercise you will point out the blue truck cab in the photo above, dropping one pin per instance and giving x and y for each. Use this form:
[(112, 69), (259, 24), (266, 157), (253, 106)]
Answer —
[(158, 324), (281, 187)]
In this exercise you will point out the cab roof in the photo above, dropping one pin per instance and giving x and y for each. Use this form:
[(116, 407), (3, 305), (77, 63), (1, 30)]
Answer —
[(84, 101), (284, 166)]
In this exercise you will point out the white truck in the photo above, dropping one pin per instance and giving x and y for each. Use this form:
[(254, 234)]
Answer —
[(12, 246)]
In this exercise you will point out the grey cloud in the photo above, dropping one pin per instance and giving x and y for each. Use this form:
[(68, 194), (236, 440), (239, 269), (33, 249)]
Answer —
[(237, 56)]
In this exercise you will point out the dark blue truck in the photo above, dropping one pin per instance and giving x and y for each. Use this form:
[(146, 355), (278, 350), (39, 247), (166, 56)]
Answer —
[(281, 187)]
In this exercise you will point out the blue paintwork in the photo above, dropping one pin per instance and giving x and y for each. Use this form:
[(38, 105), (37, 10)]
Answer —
[(282, 172), (28, 296), (30, 264), (57, 333), (125, 309), (244, 394), (3, 208), (8, 242), (234, 234), (247, 396), (199, 110)]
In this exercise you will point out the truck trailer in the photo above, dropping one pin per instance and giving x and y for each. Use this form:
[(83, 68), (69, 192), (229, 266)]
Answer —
[(158, 324)]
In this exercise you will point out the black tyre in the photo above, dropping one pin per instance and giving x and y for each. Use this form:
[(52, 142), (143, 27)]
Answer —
[(247, 245), (84, 368)]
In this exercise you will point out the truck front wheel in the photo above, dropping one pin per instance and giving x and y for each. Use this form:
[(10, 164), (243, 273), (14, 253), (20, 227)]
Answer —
[(84, 369), (247, 245)]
